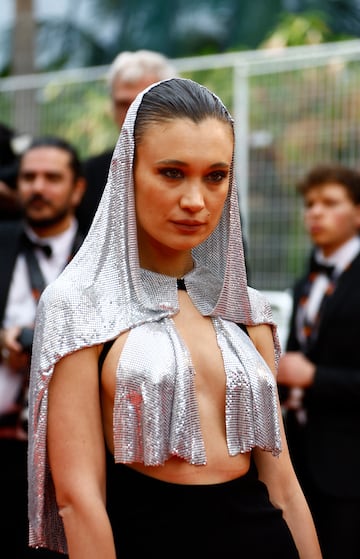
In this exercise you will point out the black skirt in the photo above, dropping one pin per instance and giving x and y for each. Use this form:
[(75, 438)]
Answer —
[(156, 519)]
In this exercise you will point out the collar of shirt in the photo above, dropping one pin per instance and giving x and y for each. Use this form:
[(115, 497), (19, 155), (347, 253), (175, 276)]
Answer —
[(61, 246), (342, 257)]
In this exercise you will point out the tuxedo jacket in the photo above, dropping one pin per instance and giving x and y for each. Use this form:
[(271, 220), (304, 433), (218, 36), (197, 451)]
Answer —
[(330, 440), (10, 246)]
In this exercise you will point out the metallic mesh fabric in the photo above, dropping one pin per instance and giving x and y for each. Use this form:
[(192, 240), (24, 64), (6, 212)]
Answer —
[(156, 413), (104, 292)]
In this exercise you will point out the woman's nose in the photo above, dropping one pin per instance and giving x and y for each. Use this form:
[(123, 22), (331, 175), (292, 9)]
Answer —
[(193, 197)]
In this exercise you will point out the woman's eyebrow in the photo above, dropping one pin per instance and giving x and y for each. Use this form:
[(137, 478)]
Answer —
[(184, 164)]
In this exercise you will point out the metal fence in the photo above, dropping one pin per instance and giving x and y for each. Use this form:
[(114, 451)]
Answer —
[(293, 108)]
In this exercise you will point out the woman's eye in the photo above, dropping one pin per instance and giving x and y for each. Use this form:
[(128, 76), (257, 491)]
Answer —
[(217, 176), (171, 173)]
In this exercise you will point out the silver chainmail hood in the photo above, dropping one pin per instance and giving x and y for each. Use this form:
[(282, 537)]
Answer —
[(103, 292)]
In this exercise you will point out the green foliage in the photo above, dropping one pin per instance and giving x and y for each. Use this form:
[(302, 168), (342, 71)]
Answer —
[(181, 28), (307, 28), (79, 112)]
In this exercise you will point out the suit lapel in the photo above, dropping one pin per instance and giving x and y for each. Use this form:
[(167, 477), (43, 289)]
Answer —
[(346, 283), (10, 233)]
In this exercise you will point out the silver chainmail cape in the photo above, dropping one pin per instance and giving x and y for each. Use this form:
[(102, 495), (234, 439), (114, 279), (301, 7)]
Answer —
[(103, 292)]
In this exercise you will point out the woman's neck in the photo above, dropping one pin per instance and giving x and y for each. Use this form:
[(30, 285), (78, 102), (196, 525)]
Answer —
[(176, 266)]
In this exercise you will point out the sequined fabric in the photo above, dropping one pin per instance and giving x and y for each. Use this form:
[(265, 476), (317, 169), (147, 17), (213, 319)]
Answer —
[(156, 414), (104, 292)]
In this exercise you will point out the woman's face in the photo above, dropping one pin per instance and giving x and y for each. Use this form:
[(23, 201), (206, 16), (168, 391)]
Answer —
[(181, 182)]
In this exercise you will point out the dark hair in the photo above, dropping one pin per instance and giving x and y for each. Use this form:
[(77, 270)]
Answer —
[(332, 173), (59, 143), (8, 158), (178, 98)]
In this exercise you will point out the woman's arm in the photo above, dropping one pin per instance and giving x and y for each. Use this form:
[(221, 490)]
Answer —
[(278, 474), (77, 455)]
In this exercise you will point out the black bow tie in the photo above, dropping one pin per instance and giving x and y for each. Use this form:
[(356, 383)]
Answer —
[(29, 243), (320, 268)]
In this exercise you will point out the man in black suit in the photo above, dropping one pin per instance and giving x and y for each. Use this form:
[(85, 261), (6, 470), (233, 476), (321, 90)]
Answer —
[(33, 252), (319, 374), (130, 73)]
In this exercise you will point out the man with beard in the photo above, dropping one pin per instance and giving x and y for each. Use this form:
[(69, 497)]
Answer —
[(33, 252)]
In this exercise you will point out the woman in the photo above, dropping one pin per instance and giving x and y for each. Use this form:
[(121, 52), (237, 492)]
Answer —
[(154, 415)]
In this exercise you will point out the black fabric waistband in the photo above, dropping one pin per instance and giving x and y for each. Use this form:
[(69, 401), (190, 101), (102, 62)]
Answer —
[(222, 520)]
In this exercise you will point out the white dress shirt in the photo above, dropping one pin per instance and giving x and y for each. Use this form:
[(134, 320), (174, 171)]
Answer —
[(340, 260), (21, 306)]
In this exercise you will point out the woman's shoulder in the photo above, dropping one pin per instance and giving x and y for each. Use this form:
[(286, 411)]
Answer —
[(60, 293), (260, 306)]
